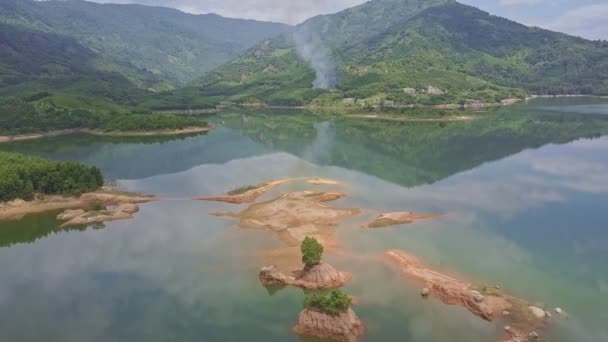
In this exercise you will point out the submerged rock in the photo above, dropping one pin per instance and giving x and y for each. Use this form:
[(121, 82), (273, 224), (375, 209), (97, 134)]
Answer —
[(322, 276), (537, 312), (70, 214), (345, 326), (397, 218), (323, 181)]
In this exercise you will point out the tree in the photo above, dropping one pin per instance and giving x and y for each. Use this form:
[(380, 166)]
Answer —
[(332, 303), (312, 251)]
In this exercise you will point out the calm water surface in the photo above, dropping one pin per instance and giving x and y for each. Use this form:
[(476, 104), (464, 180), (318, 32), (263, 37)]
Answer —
[(525, 189)]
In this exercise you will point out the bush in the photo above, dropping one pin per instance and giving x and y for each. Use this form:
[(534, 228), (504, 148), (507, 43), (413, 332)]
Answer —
[(242, 190), (312, 251), (333, 303), (96, 205)]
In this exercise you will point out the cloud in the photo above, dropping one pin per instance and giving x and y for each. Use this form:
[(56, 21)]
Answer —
[(520, 2), (587, 21), (288, 11)]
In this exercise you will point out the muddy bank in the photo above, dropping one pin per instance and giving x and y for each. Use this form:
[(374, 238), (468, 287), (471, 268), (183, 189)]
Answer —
[(34, 136), (525, 322), (108, 196), (398, 218)]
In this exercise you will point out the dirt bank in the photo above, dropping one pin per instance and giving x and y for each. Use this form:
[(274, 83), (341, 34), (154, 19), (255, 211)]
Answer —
[(34, 136)]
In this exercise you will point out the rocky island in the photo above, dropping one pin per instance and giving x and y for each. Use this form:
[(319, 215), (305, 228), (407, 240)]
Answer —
[(296, 215), (106, 204), (315, 275), (329, 316)]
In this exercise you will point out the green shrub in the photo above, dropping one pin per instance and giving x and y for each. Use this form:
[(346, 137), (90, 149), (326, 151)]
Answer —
[(332, 303), (241, 190), (97, 205), (312, 251)]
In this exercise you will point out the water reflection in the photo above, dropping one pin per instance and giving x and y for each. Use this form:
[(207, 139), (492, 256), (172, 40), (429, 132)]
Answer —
[(527, 217)]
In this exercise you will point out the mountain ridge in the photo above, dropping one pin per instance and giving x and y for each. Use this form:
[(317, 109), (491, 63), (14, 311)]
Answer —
[(166, 42), (466, 53)]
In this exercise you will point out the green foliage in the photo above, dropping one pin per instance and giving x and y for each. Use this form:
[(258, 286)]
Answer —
[(312, 252), (22, 177), (62, 111), (96, 205), (150, 46), (385, 46), (332, 303)]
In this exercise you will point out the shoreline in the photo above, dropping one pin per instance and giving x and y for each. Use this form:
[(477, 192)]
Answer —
[(383, 117), (42, 135), (17, 209)]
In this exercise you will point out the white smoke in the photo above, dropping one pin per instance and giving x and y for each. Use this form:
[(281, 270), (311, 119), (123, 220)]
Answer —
[(312, 50)]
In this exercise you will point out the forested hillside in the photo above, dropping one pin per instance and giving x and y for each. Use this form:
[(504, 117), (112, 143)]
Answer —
[(136, 40), (402, 52)]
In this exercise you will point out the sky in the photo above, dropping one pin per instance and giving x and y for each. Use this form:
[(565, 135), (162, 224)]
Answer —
[(585, 18)]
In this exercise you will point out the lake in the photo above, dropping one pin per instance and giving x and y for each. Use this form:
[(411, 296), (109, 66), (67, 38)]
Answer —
[(525, 190)]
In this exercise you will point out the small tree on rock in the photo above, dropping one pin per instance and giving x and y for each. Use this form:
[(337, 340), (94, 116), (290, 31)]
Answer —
[(312, 251)]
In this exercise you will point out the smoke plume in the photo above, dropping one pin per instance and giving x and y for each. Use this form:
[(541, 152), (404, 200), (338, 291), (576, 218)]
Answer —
[(312, 50)]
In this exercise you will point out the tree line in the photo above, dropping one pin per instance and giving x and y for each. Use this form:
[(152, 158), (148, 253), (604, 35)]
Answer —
[(24, 176)]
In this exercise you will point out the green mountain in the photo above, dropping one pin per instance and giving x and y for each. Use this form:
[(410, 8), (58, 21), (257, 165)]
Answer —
[(404, 52), (142, 43), (76, 64)]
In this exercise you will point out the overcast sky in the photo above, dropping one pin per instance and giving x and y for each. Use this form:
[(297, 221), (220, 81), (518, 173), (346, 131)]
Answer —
[(586, 18)]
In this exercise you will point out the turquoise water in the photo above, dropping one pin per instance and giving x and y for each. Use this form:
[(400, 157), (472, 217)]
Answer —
[(525, 190)]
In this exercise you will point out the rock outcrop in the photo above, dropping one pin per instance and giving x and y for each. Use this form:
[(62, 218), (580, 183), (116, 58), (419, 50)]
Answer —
[(346, 326), (80, 217), (296, 215), (397, 218), (322, 276)]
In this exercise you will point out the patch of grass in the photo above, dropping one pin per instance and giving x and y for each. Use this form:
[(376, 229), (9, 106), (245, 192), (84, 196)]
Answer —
[(241, 190), (487, 290)]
